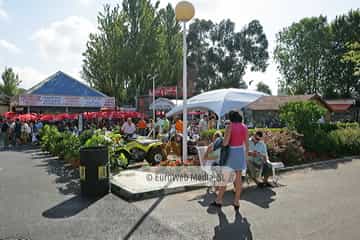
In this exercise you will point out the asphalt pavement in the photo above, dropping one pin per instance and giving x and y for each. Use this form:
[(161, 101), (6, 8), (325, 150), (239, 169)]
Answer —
[(39, 199)]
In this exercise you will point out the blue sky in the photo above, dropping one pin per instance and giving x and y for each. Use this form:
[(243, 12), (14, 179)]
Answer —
[(40, 37)]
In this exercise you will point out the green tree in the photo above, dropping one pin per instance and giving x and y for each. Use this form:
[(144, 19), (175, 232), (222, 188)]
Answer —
[(301, 116), (310, 56), (198, 57), (220, 55), (171, 48), (262, 87), (130, 47), (10, 83), (345, 29), (301, 54), (353, 56), (103, 68)]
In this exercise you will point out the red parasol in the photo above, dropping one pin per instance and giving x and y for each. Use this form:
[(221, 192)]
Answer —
[(107, 114), (9, 115), (61, 117), (47, 117), (73, 116), (89, 115), (118, 115), (27, 117)]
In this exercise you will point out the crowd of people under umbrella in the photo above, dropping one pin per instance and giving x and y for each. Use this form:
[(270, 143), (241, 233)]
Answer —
[(18, 129)]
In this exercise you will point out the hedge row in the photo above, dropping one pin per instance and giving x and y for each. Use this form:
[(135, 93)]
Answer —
[(207, 135), (327, 141)]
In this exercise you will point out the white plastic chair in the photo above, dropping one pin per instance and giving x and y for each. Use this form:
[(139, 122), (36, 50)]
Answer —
[(274, 166), (205, 164)]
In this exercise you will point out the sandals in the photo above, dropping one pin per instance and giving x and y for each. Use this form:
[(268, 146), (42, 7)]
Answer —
[(215, 204), (267, 184), (236, 207), (218, 205)]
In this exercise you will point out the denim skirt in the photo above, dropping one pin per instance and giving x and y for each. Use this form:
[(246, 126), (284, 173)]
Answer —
[(236, 158)]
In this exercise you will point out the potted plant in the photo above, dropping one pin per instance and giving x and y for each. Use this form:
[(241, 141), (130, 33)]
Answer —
[(72, 150)]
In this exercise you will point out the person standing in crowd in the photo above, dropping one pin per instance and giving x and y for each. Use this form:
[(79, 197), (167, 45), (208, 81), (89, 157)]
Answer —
[(179, 125), (16, 132), (166, 125), (30, 131), (128, 128), (4, 135), (24, 130), (159, 126), (236, 138), (212, 123), (141, 125), (150, 126), (38, 125), (203, 124)]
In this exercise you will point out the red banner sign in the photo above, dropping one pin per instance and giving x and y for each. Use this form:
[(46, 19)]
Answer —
[(164, 91)]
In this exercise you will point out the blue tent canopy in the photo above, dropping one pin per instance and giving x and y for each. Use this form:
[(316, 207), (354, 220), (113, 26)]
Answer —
[(61, 84)]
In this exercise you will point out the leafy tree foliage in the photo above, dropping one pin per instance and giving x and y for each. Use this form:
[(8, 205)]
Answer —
[(301, 53), (310, 56), (134, 42), (345, 30), (137, 41), (262, 87), (10, 83), (220, 55), (353, 56)]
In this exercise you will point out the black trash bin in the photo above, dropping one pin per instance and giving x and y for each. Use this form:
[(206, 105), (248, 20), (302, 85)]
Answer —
[(94, 175)]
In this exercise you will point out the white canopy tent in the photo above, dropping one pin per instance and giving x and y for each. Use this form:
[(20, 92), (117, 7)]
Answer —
[(220, 101)]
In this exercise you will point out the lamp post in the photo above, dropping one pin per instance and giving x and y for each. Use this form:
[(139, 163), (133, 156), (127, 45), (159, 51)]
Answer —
[(154, 135), (184, 11)]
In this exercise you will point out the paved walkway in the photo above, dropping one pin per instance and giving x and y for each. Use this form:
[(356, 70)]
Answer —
[(38, 201)]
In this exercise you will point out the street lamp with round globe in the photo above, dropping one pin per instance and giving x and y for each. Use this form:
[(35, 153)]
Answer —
[(184, 12)]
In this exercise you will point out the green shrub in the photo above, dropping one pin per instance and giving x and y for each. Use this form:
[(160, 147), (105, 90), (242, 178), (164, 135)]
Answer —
[(97, 140), (273, 130), (71, 144), (301, 116), (345, 141), (329, 127), (85, 135), (50, 136), (326, 127), (347, 125), (207, 135)]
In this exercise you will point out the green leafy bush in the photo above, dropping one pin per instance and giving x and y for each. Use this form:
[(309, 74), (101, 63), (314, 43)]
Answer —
[(329, 127), (207, 135), (72, 146), (98, 139), (345, 141), (347, 125), (85, 135), (50, 136), (301, 116)]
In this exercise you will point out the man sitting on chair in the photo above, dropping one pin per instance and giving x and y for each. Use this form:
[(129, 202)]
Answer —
[(257, 159)]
